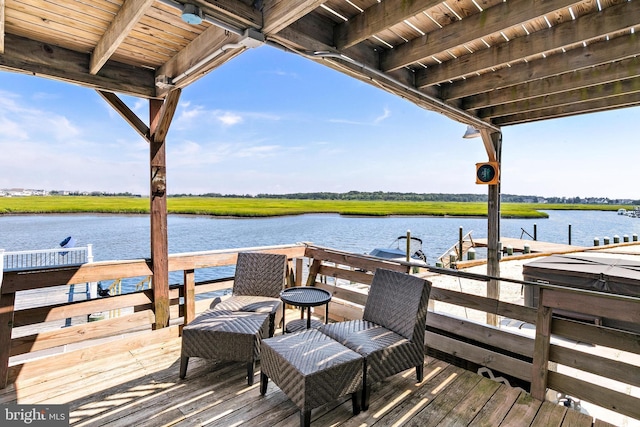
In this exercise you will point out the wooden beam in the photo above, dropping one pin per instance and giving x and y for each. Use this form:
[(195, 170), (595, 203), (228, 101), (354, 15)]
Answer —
[(593, 93), (119, 29), (606, 104), (378, 18), (599, 53), (473, 27), (129, 116), (587, 27), (2, 5), (278, 14), (212, 39), (489, 145), (50, 61), (167, 111), (592, 76)]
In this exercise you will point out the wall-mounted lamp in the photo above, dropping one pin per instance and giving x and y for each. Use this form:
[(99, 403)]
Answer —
[(192, 14), (471, 132)]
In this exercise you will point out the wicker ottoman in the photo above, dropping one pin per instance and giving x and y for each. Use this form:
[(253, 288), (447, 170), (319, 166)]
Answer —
[(312, 369), (224, 335)]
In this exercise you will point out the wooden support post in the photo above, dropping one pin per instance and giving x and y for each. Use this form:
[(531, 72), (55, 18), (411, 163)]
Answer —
[(161, 114), (158, 208), (493, 140), (540, 365), (7, 305)]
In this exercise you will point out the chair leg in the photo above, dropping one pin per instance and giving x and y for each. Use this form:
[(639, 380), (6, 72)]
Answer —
[(250, 368), (305, 418), (366, 392), (184, 361), (355, 401), (264, 381), (420, 372)]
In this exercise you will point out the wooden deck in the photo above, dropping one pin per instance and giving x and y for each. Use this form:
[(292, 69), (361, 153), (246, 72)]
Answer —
[(142, 388)]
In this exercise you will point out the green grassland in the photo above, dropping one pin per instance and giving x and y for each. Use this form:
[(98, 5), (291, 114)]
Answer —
[(259, 207)]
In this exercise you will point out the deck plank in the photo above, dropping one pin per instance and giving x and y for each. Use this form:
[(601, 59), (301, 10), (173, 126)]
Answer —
[(523, 411), (497, 408), (141, 387), (475, 400)]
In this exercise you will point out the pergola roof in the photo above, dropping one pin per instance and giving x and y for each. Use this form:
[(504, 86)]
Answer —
[(488, 63)]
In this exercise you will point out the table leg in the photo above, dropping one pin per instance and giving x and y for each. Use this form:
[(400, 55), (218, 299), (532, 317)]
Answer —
[(308, 317), (326, 313)]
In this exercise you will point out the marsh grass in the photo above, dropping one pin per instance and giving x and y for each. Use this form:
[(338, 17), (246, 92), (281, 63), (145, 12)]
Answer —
[(254, 207)]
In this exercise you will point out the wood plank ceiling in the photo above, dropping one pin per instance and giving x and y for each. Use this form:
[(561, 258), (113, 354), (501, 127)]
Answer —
[(488, 63)]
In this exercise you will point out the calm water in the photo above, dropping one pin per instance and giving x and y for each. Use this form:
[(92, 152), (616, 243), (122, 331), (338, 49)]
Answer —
[(127, 237)]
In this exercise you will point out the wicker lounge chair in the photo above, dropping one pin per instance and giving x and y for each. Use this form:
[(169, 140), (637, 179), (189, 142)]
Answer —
[(390, 335), (258, 281)]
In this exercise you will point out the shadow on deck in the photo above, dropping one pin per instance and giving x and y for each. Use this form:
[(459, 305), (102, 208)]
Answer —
[(142, 388)]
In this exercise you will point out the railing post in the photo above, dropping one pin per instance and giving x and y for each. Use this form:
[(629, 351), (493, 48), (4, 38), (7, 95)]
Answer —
[(540, 365), (189, 296), (7, 302)]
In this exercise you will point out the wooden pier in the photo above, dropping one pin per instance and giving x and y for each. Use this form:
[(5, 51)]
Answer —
[(535, 246)]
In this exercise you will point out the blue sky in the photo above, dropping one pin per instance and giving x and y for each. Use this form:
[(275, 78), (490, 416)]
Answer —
[(273, 122)]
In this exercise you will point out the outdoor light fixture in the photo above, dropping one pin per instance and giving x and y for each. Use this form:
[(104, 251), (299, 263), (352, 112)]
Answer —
[(192, 14), (471, 132)]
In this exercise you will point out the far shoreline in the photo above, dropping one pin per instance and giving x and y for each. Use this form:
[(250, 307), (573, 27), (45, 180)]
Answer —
[(270, 207)]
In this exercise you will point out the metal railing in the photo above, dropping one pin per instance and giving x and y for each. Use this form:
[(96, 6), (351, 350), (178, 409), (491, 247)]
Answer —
[(19, 260)]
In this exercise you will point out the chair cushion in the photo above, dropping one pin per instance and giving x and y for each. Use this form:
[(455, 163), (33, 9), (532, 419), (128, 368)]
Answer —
[(248, 303), (386, 352)]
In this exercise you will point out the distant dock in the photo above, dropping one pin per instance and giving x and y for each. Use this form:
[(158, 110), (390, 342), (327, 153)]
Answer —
[(535, 246)]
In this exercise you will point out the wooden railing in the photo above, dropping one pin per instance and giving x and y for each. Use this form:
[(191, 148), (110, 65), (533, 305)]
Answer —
[(25, 336), (534, 363)]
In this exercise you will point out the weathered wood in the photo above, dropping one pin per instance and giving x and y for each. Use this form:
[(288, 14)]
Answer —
[(621, 403), (616, 307), (475, 26), (356, 261), (605, 367), (14, 281), (129, 116), (7, 302), (540, 369), (80, 333), (127, 17), (523, 411), (487, 335), (189, 295), (491, 359), (48, 60), (159, 123), (494, 411), (493, 145)]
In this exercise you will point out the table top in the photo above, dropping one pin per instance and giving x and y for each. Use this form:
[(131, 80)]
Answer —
[(305, 296)]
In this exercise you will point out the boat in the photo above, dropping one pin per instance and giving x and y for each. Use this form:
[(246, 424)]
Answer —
[(635, 213), (622, 211), (397, 251)]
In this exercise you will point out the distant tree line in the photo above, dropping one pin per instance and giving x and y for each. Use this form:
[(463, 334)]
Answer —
[(423, 197)]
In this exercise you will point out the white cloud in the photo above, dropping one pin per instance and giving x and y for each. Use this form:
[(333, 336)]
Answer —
[(228, 118)]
